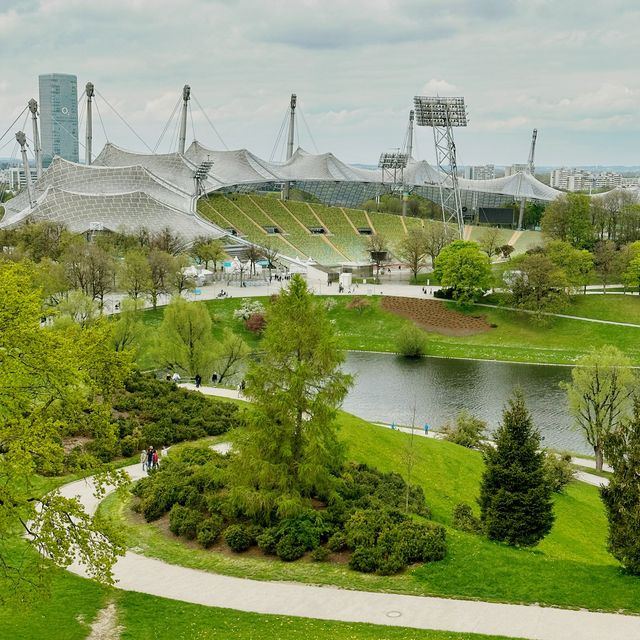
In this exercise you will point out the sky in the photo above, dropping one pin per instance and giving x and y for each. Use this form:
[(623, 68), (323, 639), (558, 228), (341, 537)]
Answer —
[(569, 69)]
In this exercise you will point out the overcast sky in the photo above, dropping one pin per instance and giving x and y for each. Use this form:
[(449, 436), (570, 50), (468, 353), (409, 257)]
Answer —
[(569, 68)]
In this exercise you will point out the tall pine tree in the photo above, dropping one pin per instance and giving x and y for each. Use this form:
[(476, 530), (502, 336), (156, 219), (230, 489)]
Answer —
[(289, 452), (515, 497), (622, 497)]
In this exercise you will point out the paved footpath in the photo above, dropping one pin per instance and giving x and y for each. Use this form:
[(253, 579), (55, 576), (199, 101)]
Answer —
[(135, 572)]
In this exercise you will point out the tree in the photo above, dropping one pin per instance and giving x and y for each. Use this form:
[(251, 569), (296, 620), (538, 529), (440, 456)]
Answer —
[(437, 236), (179, 279), (161, 268), (605, 258), (206, 251), (464, 269), (412, 251), (185, 343), (135, 274), (632, 274), (168, 241), (536, 283), (270, 253), (290, 450), (568, 218), (577, 264), (229, 355), (622, 496), (489, 241), (253, 254), (601, 385), (128, 326), (52, 279), (51, 382), (515, 500), (378, 247)]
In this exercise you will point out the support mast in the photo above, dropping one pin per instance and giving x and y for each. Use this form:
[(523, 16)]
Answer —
[(530, 170), (22, 141), (290, 138), (186, 94), (410, 135), (89, 90), (37, 150)]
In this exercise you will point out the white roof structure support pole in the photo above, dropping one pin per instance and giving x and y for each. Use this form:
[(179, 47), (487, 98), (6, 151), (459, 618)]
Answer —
[(530, 169), (89, 90), (37, 150), (22, 141), (290, 138), (410, 135), (186, 94)]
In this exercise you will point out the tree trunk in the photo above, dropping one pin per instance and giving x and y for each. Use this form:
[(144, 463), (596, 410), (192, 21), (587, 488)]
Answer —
[(599, 457)]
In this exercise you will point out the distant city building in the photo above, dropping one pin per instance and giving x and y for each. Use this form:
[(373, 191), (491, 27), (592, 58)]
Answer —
[(516, 168), (583, 180), (480, 172), (59, 116), (17, 180)]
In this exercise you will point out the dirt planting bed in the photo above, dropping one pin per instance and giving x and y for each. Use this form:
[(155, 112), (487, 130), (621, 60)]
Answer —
[(435, 316)]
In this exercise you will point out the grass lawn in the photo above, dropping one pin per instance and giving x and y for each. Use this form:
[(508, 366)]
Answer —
[(570, 568), (516, 337)]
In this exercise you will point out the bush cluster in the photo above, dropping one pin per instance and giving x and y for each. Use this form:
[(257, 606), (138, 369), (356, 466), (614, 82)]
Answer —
[(558, 470), (364, 517), (465, 520), (467, 431), (411, 342)]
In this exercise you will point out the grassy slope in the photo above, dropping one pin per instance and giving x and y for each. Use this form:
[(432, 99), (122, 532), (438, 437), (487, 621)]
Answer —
[(570, 568), (517, 336)]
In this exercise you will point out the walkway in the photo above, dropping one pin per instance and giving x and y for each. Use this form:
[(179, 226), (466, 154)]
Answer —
[(135, 572)]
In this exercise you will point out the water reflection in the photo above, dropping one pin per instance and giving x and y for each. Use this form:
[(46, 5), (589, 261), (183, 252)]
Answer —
[(387, 388)]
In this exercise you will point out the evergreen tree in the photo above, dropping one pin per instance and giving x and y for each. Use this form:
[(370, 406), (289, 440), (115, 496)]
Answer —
[(290, 448), (622, 496), (515, 497)]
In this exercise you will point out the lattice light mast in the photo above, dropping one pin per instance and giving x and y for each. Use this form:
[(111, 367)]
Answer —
[(409, 150), (186, 95), (290, 139), (37, 149), (89, 91), (392, 164), (442, 114)]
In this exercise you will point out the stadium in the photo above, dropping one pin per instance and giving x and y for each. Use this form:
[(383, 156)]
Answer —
[(233, 195)]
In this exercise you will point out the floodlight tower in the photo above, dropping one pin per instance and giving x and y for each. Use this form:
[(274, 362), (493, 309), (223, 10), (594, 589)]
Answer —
[(410, 135), (290, 138), (89, 90), (442, 114), (22, 141), (530, 170), (186, 95), (37, 150)]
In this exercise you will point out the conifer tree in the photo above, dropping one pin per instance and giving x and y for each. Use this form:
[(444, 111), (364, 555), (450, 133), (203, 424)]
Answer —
[(515, 497), (290, 450), (622, 496)]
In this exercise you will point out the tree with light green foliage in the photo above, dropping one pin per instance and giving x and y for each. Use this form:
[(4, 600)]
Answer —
[(289, 451), (184, 342), (462, 267), (599, 394), (632, 274), (53, 382)]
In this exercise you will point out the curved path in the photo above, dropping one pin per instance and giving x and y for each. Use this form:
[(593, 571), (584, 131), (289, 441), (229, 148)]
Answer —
[(135, 572)]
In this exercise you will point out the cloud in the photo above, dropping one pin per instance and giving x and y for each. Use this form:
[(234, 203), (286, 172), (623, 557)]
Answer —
[(437, 87)]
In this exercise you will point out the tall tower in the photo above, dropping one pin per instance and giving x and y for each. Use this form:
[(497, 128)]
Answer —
[(33, 108), (59, 116), (89, 92), (186, 96), (290, 139)]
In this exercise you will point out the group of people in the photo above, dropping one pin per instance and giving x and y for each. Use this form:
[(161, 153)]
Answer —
[(223, 294), (149, 458)]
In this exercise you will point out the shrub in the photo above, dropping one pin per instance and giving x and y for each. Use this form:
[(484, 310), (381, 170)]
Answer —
[(320, 554), (289, 549), (364, 559), (358, 304), (305, 530), (268, 540), (411, 342), (237, 537), (558, 470), (464, 520), (467, 431), (208, 531), (426, 542), (329, 303), (248, 309), (390, 565), (184, 521), (338, 541), (256, 323)]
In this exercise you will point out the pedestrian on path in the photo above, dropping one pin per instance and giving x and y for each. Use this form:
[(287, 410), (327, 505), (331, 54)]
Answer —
[(198, 380), (143, 459), (149, 459), (393, 426), (426, 428)]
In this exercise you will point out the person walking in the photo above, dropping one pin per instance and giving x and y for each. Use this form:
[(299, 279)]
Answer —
[(143, 459), (426, 428), (149, 458), (154, 459), (198, 379)]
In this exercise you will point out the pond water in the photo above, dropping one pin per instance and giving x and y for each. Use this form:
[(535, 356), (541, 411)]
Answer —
[(387, 388)]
